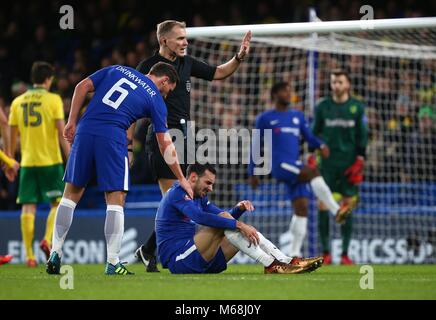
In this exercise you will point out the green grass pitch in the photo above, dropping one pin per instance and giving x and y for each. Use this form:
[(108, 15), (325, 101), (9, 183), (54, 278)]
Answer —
[(237, 282)]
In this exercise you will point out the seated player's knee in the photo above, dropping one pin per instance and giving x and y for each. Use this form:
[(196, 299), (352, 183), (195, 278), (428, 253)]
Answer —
[(226, 215), (208, 234)]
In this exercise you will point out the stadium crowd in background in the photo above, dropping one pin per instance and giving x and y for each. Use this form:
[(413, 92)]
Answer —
[(110, 32)]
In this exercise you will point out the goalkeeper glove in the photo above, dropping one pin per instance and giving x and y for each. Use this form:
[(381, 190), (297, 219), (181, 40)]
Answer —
[(355, 171), (312, 161)]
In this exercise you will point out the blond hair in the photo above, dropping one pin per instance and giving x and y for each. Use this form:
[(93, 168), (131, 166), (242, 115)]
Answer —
[(165, 27)]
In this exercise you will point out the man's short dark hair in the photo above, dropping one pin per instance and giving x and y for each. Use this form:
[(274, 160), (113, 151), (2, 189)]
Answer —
[(340, 72), (200, 169), (161, 69), (277, 87), (41, 71), (165, 27)]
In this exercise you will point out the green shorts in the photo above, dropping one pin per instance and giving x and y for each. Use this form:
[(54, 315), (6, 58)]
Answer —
[(337, 181), (40, 184)]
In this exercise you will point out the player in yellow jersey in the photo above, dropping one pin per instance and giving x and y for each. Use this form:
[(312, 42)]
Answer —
[(38, 117)]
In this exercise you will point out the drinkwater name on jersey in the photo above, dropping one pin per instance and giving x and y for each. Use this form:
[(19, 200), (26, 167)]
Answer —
[(136, 79)]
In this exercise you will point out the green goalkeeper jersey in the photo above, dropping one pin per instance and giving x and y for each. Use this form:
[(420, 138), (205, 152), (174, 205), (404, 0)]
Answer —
[(342, 126)]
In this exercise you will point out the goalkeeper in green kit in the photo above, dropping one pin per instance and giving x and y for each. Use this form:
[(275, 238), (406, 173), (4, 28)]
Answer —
[(341, 123)]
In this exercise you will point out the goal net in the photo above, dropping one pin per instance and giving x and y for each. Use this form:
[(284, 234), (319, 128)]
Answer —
[(393, 71)]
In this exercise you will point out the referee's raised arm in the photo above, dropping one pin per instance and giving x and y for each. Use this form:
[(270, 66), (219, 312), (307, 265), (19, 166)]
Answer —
[(227, 69), (172, 39)]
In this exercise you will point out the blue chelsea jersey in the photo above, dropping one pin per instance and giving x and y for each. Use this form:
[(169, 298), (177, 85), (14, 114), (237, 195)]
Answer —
[(122, 96), (287, 128)]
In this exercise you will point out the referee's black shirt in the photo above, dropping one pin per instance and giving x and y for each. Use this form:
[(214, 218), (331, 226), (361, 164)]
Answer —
[(178, 101)]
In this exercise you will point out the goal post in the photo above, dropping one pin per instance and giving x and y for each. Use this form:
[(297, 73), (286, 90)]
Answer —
[(275, 29), (392, 66)]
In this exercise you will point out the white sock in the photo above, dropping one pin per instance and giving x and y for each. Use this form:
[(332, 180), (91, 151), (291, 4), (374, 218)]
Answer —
[(239, 241), (297, 229), (323, 193), (64, 218), (272, 250), (113, 231)]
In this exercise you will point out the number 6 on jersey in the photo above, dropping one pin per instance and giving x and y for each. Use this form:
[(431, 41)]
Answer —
[(123, 93)]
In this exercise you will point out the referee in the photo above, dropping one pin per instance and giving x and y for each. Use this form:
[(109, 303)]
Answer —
[(173, 43)]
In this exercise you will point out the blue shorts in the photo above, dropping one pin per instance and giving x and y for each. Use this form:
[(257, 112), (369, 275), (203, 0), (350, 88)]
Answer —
[(288, 173), (188, 260), (94, 155)]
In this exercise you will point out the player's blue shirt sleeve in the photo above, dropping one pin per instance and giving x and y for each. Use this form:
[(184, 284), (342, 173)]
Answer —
[(98, 76), (159, 114), (312, 140), (189, 208), (256, 144), (211, 208)]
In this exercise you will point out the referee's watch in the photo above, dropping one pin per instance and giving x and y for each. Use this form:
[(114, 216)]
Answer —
[(238, 58)]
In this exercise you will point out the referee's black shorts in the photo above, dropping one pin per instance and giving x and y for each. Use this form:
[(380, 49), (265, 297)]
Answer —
[(159, 167)]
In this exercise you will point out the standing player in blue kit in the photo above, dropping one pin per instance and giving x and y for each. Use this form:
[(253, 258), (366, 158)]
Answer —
[(122, 95), (287, 126)]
